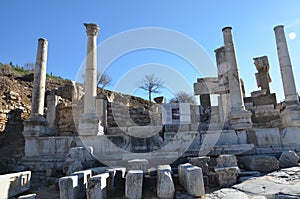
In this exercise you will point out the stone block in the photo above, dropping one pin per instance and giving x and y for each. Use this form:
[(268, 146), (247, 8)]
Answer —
[(83, 177), (138, 164), (227, 176), (261, 163), (264, 137), (134, 184), (193, 180), (181, 167), (227, 160), (165, 185), (68, 187), (29, 196), (97, 186), (201, 162), (290, 136), (288, 159), (14, 183)]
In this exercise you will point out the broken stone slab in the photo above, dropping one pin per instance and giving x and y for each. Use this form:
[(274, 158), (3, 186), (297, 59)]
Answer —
[(165, 185), (288, 159), (261, 163), (134, 184), (116, 178), (227, 176), (68, 187), (97, 186), (201, 162), (29, 196), (226, 160), (227, 193), (138, 164), (191, 178)]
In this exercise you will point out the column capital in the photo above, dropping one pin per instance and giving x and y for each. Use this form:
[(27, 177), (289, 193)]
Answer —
[(279, 27), (91, 29)]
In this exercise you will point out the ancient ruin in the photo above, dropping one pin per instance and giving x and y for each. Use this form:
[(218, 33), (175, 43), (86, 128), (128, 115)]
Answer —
[(106, 148)]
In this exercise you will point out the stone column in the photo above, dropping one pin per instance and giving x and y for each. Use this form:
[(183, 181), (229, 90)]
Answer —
[(287, 75), (36, 125), (89, 122), (224, 98), (239, 118), (291, 115), (39, 84)]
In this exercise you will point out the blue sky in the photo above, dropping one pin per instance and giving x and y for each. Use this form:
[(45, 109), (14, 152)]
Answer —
[(61, 22)]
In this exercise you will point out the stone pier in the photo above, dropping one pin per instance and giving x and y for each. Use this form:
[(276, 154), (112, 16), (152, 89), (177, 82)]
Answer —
[(239, 118), (291, 115), (89, 123), (224, 98), (36, 125)]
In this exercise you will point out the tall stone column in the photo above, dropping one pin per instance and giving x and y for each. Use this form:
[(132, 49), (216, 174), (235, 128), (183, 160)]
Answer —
[(89, 123), (36, 125), (291, 115), (39, 84), (239, 118)]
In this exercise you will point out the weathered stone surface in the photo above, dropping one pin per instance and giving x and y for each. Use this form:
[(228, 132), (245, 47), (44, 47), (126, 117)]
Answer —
[(97, 186), (227, 160), (261, 163), (201, 162), (138, 164), (134, 184), (264, 137), (68, 187), (165, 185), (227, 176), (288, 159), (191, 178), (283, 182), (29, 196), (227, 193)]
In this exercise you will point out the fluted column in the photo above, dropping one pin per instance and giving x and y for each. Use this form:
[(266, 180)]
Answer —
[(89, 123), (239, 118), (290, 117)]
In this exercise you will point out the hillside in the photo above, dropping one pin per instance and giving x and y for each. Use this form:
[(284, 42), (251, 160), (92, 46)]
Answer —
[(15, 106)]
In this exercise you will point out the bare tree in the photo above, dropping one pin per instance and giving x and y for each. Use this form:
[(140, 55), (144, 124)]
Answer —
[(103, 79), (183, 97), (151, 84)]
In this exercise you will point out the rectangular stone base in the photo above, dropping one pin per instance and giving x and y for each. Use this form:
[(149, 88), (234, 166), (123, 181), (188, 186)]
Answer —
[(290, 117), (240, 120), (36, 126), (89, 125)]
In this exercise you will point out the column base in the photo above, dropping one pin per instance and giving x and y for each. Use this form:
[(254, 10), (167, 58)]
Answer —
[(36, 126), (240, 120), (89, 125), (290, 117)]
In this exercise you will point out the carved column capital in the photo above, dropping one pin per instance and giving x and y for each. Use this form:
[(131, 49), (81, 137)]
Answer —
[(91, 29)]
